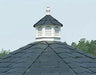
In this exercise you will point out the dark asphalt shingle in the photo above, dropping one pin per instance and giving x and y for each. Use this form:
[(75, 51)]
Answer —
[(48, 58), (48, 20)]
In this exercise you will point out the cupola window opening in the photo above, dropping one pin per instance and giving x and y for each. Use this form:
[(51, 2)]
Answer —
[(57, 29), (40, 31), (48, 31)]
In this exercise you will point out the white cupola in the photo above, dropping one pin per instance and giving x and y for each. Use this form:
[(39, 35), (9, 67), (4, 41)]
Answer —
[(48, 28)]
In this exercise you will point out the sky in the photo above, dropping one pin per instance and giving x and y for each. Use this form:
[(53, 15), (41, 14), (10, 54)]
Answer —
[(17, 18)]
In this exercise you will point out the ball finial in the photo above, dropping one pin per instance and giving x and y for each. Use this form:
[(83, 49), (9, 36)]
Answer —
[(48, 11)]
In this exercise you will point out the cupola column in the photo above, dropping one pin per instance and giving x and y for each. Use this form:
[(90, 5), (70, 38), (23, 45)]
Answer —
[(43, 31), (53, 31)]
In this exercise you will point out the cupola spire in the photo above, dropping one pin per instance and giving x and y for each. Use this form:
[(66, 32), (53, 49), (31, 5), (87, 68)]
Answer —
[(48, 11)]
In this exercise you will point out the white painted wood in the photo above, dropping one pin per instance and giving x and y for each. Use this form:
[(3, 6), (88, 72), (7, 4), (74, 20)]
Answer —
[(48, 11), (48, 33)]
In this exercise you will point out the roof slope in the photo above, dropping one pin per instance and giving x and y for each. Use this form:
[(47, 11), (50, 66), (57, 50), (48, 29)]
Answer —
[(48, 58), (48, 20)]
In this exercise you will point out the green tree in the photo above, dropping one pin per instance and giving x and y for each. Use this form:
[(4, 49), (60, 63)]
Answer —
[(4, 52), (92, 47), (85, 45), (65, 42), (74, 44)]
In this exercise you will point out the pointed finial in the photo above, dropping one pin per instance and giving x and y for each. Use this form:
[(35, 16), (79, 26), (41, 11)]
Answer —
[(48, 11)]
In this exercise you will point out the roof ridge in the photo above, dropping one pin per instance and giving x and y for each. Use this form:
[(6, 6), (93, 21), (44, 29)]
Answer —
[(78, 51), (62, 59), (54, 20), (45, 19), (19, 50), (16, 52), (82, 52), (47, 58), (36, 59)]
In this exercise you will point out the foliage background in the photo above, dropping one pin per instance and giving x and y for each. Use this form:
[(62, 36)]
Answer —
[(4, 52), (85, 45)]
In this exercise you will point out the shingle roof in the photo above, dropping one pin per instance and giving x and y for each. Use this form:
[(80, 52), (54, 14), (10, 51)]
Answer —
[(48, 20), (48, 58)]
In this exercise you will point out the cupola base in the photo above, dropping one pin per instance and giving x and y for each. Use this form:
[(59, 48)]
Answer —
[(48, 39)]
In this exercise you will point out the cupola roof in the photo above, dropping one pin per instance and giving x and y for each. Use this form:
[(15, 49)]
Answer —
[(48, 20)]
